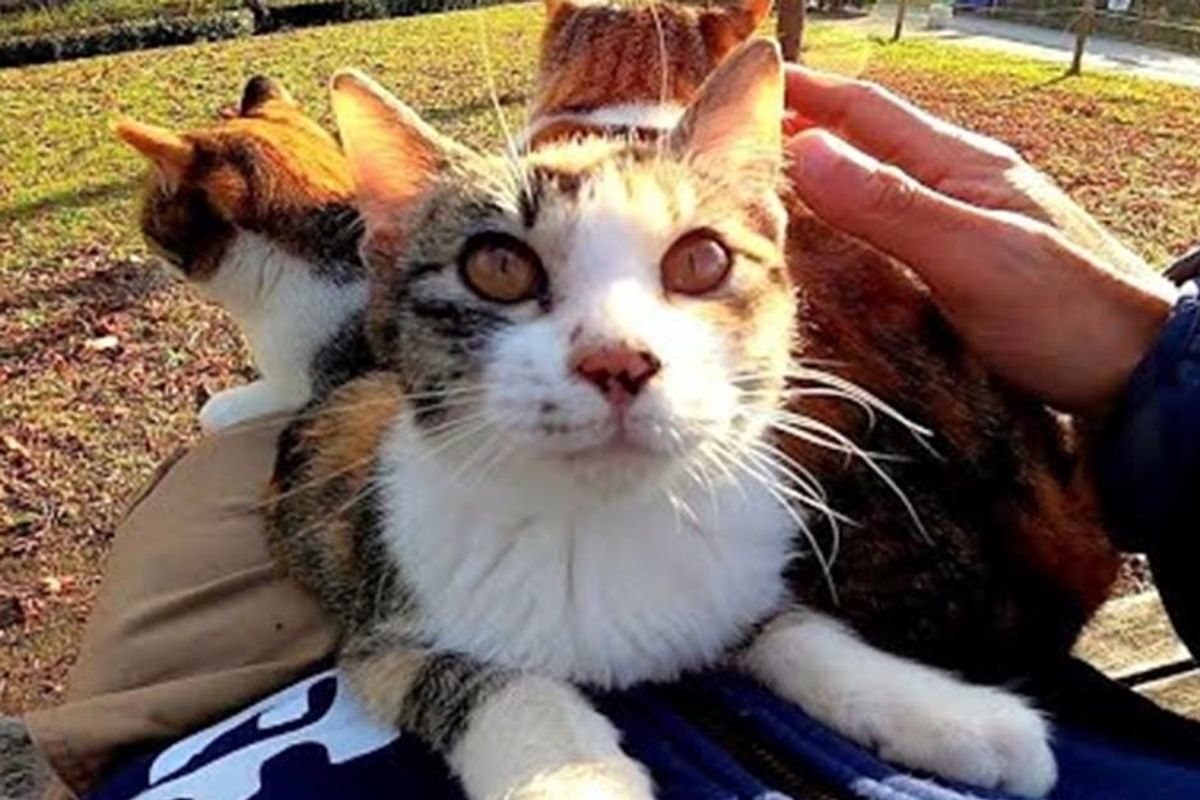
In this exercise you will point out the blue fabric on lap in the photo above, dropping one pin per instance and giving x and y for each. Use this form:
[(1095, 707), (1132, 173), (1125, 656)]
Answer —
[(312, 742)]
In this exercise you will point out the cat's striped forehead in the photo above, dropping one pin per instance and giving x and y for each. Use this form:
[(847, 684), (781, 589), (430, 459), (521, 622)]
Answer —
[(587, 182)]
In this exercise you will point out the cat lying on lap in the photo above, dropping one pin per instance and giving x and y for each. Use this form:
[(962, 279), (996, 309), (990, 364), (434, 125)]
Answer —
[(562, 473)]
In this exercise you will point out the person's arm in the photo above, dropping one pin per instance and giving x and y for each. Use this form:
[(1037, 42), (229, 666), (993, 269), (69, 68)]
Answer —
[(1038, 289)]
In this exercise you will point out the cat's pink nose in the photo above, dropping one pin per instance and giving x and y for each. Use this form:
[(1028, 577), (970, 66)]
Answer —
[(618, 371)]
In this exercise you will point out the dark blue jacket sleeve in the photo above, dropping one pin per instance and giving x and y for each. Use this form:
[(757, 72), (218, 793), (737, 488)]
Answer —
[(1149, 464), (1150, 452)]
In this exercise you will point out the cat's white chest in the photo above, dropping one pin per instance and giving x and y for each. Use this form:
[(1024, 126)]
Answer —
[(610, 597)]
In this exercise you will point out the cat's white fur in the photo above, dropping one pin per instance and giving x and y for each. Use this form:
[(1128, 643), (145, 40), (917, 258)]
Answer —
[(662, 116), (525, 573), (913, 714), (556, 746), (286, 314), (589, 570)]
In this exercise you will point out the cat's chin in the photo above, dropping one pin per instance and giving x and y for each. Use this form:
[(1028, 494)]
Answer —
[(613, 464)]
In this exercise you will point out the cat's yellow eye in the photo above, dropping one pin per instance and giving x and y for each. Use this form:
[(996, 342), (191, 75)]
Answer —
[(696, 264), (501, 268)]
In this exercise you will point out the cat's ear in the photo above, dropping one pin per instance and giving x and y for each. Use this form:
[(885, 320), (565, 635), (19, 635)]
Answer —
[(555, 7), (259, 90), (735, 119), (168, 151), (394, 155), (747, 15)]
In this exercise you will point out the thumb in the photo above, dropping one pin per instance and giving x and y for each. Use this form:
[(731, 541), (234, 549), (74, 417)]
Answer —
[(930, 232)]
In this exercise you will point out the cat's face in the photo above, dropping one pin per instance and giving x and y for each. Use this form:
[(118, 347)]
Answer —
[(261, 168), (605, 310)]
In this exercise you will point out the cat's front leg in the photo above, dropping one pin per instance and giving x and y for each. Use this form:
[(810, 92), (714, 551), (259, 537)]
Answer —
[(911, 713), (241, 403), (507, 736), (538, 739)]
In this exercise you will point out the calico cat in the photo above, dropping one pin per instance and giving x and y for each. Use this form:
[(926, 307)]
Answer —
[(256, 211), (1002, 556), (569, 469)]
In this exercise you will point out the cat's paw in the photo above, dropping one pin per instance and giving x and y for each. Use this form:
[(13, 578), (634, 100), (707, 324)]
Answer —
[(243, 403), (977, 735), (911, 713), (606, 780)]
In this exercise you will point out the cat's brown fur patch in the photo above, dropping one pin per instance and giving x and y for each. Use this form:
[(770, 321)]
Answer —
[(322, 484), (1019, 557), (598, 55), (270, 169)]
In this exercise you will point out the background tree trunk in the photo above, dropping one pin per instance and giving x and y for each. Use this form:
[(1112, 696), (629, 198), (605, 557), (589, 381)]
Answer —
[(262, 14), (900, 9), (1083, 29), (792, 16)]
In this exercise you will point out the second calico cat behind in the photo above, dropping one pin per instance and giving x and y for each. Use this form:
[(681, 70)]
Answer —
[(256, 212)]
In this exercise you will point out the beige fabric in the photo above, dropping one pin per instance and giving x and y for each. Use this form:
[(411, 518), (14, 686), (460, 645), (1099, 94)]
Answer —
[(192, 620)]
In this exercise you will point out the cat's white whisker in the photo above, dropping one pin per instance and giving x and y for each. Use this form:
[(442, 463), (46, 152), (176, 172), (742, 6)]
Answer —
[(819, 498), (453, 391), (870, 461), (305, 486), (695, 470), (807, 492), (706, 451), (780, 493), (812, 375), (511, 149), (804, 428)]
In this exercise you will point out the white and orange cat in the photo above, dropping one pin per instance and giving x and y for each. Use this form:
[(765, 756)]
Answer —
[(256, 212)]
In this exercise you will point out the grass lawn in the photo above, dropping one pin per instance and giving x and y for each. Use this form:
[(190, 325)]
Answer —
[(103, 360), (89, 13)]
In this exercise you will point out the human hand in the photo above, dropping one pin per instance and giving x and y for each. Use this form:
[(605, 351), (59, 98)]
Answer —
[(1034, 285)]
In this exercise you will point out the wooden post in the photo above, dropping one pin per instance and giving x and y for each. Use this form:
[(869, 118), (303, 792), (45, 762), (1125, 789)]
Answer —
[(792, 16), (1083, 29), (900, 9)]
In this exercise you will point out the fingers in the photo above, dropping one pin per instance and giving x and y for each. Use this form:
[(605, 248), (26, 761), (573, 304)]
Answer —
[(890, 128), (955, 247)]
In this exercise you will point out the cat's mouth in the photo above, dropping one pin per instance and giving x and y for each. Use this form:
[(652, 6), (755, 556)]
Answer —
[(615, 450), (620, 450)]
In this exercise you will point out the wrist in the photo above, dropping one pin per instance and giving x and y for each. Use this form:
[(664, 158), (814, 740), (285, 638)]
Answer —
[(1150, 444)]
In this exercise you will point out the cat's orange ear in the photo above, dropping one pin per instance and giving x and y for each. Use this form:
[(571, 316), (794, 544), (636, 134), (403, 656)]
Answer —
[(749, 14), (394, 155), (555, 6), (736, 117), (169, 152)]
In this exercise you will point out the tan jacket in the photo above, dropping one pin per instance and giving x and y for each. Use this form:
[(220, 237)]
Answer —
[(192, 620)]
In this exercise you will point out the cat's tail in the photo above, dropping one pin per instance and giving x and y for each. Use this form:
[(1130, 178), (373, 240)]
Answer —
[(24, 774)]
